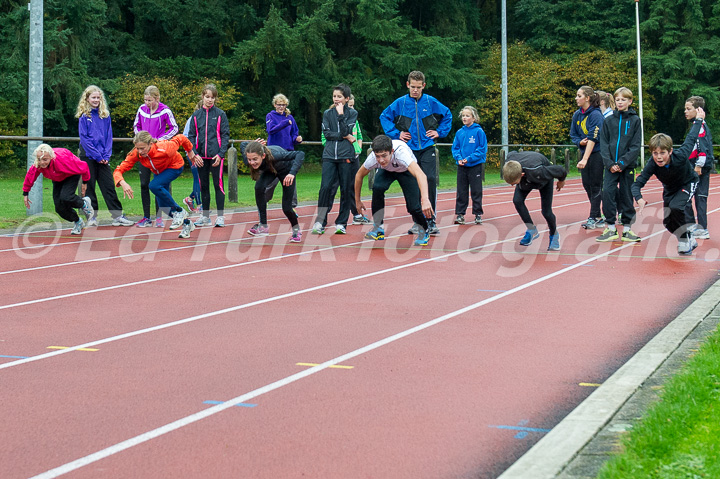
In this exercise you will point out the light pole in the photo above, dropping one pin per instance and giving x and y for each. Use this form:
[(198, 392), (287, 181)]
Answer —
[(639, 74), (504, 113), (35, 97)]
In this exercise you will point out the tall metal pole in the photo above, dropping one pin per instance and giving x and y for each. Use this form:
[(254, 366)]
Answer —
[(639, 73), (35, 97), (504, 114)]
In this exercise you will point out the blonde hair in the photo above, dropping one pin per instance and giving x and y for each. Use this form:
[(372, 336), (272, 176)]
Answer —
[(606, 98), (41, 151), (512, 171), (624, 92), (662, 141), (280, 98), (84, 107), (473, 112), (152, 91), (143, 136)]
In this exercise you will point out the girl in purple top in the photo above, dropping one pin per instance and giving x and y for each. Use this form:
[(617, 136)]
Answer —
[(281, 126), (157, 119), (95, 129)]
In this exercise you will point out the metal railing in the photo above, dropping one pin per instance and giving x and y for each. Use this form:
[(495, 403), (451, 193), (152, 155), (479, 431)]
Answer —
[(557, 152)]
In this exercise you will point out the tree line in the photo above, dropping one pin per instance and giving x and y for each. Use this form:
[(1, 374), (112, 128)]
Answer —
[(254, 49)]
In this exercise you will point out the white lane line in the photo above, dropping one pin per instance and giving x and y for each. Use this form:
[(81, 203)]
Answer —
[(223, 242), (153, 232), (262, 260), (180, 423), (242, 306)]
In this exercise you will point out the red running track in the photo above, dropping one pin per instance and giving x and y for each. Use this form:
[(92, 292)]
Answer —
[(444, 361)]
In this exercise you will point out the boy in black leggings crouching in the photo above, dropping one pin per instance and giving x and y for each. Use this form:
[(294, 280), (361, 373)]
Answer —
[(529, 170)]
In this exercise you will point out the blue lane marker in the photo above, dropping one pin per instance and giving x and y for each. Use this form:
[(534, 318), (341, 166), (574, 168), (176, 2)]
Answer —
[(13, 357), (523, 430), (493, 290), (242, 404)]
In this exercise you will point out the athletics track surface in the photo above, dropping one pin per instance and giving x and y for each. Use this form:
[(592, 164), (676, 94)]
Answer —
[(225, 355)]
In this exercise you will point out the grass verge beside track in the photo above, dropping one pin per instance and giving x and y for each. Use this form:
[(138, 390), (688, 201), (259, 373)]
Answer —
[(677, 438)]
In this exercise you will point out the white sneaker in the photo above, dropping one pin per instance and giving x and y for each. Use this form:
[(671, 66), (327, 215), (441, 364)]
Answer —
[(188, 226), (77, 229), (87, 208), (318, 228), (340, 229), (92, 222), (203, 221), (178, 218), (701, 233), (122, 221), (220, 222), (686, 246)]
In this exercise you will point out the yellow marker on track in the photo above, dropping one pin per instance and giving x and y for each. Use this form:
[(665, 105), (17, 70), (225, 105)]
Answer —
[(590, 385), (334, 367), (66, 347)]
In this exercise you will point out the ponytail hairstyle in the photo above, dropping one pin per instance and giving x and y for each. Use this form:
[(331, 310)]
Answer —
[(473, 112), (212, 89), (280, 98), (143, 136), (607, 98), (260, 149), (591, 94), (84, 107), (152, 91)]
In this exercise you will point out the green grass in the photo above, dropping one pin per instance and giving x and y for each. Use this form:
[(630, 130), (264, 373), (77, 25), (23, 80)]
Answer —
[(308, 180), (678, 437)]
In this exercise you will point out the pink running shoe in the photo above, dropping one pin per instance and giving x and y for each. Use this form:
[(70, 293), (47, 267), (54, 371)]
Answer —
[(296, 236), (259, 230), (159, 223), (190, 203)]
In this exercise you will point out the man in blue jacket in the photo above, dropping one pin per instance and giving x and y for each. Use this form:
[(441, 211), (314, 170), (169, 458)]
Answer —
[(419, 119)]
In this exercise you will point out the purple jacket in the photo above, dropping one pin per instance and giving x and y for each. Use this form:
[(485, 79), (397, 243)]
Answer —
[(96, 136), (161, 125), (282, 130)]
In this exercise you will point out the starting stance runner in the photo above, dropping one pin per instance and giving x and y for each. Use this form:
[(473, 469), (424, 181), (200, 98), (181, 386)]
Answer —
[(395, 161), (678, 178), (530, 170)]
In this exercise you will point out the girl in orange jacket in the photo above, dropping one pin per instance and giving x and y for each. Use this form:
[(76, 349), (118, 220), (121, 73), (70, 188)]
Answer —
[(166, 164)]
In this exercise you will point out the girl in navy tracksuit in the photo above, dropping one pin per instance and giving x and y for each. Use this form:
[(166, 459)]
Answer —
[(469, 151), (585, 129), (210, 135)]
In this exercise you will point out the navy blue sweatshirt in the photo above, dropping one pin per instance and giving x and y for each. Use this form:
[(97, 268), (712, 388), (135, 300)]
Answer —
[(586, 124)]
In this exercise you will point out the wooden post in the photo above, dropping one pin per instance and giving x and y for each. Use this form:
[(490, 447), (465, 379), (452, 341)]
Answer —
[(232, 160)]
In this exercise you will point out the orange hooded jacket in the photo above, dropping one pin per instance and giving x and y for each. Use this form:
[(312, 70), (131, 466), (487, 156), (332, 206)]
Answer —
[(162, 155)]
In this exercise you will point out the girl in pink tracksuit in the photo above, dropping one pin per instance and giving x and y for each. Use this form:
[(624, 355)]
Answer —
[(65, 170)]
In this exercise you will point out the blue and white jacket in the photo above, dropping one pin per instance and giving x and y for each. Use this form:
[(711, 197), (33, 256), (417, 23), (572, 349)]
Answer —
[(470, 144), (425, 113)]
